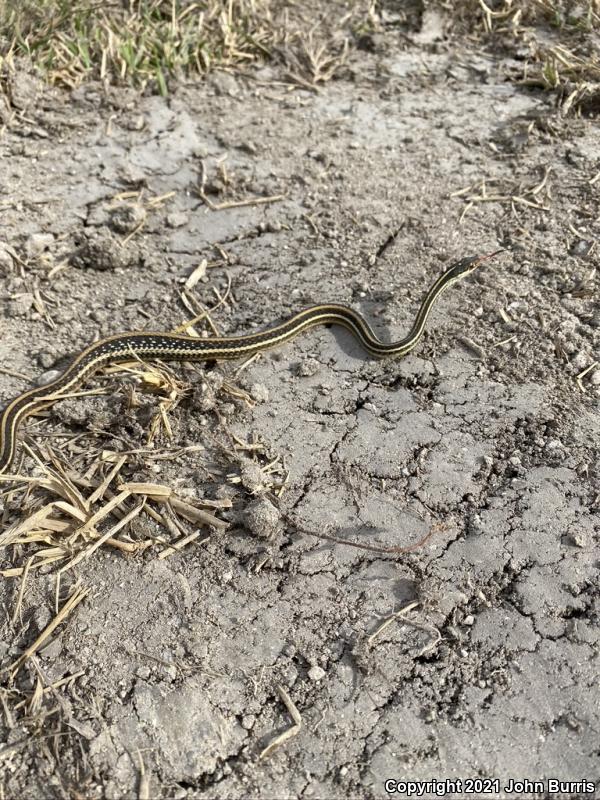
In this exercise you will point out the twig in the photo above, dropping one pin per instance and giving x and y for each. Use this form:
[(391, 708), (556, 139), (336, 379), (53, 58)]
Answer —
[(250, 201), (421, 625), (71, 604), (387, 622), (579, 378), (291, 731), (181, 543)]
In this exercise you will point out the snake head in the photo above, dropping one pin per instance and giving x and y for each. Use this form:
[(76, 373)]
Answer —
[(470, 263)]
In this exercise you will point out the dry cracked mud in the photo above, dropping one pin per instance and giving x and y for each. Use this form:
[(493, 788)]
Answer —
[(168, 670)]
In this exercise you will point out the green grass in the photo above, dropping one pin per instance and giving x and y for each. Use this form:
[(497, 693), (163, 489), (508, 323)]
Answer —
[(141, 42)]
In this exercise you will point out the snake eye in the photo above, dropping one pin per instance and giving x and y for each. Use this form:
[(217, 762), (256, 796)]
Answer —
[(465, 265)]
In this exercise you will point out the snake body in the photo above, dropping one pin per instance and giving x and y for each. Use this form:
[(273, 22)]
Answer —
[(174, 347)]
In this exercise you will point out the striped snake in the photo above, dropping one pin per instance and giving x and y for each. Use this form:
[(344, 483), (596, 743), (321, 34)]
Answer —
[(173, 347)]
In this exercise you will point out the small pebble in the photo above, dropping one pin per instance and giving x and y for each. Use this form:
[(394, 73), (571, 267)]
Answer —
[(134, 123), (224, 83), (316, 673), (48, 377), (227, 410), (46, 360), (308, 367), (259, 392), (37, 243), (580, 361), (578, 539), (177, 219), (372, 408)]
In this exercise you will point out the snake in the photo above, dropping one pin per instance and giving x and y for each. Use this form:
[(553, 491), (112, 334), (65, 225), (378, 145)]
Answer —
[(175, 347)]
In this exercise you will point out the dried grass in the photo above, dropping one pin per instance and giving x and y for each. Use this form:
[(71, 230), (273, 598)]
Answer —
[(151, 43), (66, 528), (562, 41), (554, 44)]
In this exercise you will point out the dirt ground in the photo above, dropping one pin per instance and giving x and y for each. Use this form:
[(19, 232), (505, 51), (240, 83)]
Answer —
[(169, 678)]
